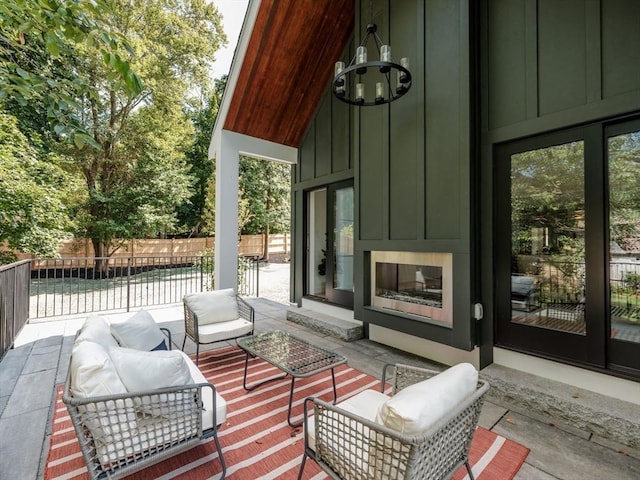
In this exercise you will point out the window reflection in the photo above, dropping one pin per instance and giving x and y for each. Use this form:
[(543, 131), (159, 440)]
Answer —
[(624, 236), (548, 246)]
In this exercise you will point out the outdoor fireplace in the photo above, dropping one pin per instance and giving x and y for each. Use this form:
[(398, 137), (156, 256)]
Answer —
[(418, 284)]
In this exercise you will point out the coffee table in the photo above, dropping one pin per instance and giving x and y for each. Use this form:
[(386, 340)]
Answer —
[(292, 355)]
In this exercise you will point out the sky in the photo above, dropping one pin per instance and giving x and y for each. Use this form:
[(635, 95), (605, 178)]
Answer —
[(232, 12)]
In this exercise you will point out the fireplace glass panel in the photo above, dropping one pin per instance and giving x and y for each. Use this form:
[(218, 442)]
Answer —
[(417, 284)]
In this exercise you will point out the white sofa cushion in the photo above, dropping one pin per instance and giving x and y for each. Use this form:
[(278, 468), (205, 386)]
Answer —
[(215, 332), (139, 332), (93, 374), (142, 371), (213, 307), (207, 399), (96, 329), (416, 408)]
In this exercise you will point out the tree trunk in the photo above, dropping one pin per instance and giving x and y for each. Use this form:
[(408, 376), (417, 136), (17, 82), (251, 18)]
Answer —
[(101, 259), (265, 248)]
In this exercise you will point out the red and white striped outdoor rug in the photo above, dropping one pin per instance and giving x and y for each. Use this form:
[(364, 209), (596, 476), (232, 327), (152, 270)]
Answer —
[(256, 439)]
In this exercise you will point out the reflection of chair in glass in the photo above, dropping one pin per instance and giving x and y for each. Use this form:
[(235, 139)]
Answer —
[(523, 292), (567, 312)]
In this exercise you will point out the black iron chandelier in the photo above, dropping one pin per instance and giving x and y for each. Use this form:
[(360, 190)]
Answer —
[(392, 82)]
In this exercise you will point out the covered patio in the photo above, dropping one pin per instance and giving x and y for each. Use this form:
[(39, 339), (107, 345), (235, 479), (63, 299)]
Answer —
[(515, 408)]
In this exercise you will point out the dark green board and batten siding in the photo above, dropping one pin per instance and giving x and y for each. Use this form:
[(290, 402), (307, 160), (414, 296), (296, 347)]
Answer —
[(551, 64), (409, 159)]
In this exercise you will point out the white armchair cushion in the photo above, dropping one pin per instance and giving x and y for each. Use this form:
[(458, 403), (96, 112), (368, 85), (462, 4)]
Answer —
[(213, 307), (140, 332), (207, 400), (96, 329), (142, 371), (364, 404), (416, 408), (215, 332)]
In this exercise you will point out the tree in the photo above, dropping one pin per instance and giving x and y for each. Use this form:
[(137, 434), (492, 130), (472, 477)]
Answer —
[(136, 175), (624, 191), (38, 39), (265, 185), (192, 215), (33, 217)]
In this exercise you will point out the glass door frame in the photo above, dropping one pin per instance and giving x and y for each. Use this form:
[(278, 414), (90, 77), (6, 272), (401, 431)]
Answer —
[(337, 296), (622, 355), (588, 349)]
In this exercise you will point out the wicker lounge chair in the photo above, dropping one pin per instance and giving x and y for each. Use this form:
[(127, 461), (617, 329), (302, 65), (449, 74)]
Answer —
[(216, 316), (349, 442)]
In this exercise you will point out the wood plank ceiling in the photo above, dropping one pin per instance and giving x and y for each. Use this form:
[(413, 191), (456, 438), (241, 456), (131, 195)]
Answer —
[(287, 67)]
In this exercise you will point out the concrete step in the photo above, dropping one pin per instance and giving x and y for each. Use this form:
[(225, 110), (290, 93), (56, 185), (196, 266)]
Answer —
[(344, 329), (602, 416)]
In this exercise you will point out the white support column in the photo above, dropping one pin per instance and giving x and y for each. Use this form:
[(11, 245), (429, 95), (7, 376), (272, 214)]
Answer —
[(226, 147), (226, 233)]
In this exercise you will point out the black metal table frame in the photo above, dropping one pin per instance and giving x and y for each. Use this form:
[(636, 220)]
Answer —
[(340, 360)]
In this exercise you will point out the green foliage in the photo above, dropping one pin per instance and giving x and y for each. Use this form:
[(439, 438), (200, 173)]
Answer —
[(192, 216), (206, 264), (632, 281), (624, 191), (33, 217), (547, 192), (137, 176), (38, 50), (265, 185)]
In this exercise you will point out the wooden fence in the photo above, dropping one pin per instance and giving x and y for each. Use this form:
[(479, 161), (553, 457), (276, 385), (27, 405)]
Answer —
[(250, 245)]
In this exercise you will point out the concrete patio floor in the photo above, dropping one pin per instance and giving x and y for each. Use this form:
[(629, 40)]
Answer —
[(29, 372)]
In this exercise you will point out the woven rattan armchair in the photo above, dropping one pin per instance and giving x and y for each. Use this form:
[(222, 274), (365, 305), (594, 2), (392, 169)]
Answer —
[(113, 448), (348, 446), (208, 318)]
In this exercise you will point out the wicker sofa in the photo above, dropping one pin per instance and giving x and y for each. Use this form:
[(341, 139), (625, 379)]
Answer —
[(133, 401), (423, 431)]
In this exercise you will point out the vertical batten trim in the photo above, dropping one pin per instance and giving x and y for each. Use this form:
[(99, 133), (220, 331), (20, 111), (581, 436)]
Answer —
[(532, 86), (593, 50)]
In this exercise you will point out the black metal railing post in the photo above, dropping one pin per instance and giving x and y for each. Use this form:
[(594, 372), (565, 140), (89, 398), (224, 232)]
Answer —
[(128, 284), (257, 267)]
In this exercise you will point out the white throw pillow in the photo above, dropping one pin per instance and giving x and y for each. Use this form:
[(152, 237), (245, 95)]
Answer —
[(416, 408), (96, 329), (93, 374), (213, 307), (143, 371), (139, 332)]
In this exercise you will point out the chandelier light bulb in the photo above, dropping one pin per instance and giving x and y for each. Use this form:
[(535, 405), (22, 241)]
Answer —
[(379, 92), (360, 92), (385, 56)]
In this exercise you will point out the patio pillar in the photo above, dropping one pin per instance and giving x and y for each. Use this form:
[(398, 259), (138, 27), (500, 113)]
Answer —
[(226, 148), (227, 159)]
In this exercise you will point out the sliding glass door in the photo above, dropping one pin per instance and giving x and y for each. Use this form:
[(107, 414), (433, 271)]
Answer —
[(329, 225), (568, 246), (623, 172)]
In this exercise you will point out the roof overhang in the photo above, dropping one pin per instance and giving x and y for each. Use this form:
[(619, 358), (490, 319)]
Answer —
[(282, 66)]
